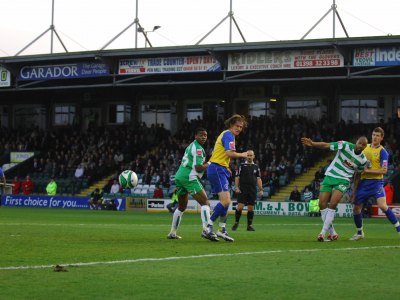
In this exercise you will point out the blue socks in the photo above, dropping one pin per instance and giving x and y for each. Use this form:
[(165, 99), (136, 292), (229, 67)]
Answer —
[(359, 223), (392, 218), (219, 211)]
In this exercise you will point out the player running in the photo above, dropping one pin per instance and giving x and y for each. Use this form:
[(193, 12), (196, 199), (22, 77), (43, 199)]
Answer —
[(349, 159), (371, 184), (218, 172), (187, 182)]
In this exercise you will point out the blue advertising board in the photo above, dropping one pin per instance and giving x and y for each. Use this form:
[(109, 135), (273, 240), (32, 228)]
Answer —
[(52, 201), (376, 57), (78, 70)]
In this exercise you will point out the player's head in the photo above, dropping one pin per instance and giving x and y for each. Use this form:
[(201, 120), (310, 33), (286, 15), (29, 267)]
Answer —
[(377, 136), (361, 144), (250, 156), (200, 135), (236, 124)]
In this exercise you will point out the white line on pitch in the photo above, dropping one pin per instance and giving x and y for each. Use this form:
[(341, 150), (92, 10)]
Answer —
[(128, 261), (169, 225)]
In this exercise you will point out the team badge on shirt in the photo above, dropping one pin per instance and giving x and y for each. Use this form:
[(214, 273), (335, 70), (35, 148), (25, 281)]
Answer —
[(232, 145), (199, 152)]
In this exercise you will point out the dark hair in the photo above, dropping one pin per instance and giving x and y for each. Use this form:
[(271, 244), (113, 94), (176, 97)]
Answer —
[(198, 130), (380, 130), (235, 118)]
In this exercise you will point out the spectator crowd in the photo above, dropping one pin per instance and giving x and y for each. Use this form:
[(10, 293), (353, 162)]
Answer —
[(155, 154)]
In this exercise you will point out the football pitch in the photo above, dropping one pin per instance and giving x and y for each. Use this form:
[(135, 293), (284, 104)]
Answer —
[(125, 255)]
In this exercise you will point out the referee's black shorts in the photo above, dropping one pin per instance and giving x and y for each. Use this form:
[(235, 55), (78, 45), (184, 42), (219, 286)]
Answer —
[(247, 198)]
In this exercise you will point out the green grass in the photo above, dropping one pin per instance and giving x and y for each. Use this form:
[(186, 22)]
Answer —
[(280, 260)]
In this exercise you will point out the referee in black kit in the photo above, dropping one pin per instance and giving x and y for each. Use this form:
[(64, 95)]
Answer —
[(246, 180)]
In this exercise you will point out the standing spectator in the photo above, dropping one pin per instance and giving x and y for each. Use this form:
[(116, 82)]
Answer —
[(295, 195), (307, 194), (16, 186), (389, 190), (248, 177), (51, 187), (158, 192), (27, 185), (115, 187)]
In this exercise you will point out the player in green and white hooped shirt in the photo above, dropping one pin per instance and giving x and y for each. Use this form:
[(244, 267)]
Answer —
[(349, 159), (187, 182)]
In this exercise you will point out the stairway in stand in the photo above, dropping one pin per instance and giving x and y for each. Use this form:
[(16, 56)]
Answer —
[(98, 184), (301, 181)]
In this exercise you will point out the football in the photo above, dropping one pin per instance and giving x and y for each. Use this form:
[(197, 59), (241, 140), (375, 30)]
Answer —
[(128, 179)]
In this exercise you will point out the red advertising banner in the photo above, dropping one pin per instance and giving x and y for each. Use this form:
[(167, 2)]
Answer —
[(377, 213)]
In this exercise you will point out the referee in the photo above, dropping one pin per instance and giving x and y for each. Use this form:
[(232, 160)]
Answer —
[(246, 180)]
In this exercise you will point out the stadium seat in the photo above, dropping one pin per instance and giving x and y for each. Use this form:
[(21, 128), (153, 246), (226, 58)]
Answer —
[(282, 180), (297, 169), (137, 191)]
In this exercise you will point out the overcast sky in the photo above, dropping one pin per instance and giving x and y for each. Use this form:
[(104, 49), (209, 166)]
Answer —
[(90, 24)]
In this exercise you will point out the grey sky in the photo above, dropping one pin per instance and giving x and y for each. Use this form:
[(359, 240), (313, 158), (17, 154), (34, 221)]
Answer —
[(90, 24)]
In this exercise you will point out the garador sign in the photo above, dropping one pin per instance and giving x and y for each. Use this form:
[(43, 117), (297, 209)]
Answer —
[(79, 70)]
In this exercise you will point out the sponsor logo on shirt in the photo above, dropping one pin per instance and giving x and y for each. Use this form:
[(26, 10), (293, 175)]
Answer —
[(347, 163)]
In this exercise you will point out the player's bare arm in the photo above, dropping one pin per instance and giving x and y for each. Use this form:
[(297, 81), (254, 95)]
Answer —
[(233, 154), (382, 170), (260, 187), (202, 168), (237, 189), (310, 143)]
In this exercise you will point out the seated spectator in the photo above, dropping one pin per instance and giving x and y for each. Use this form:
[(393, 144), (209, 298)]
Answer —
[(307, 194), (115, 188), (158, 192), (16, 186), (146, 179), (51, 187), (96, 198), (48, 168), (62, 172), (126, 191), (37, 166), (295, 195), (118, 158), (80, 170), (165, 180), (319, 175), (27, 185)]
